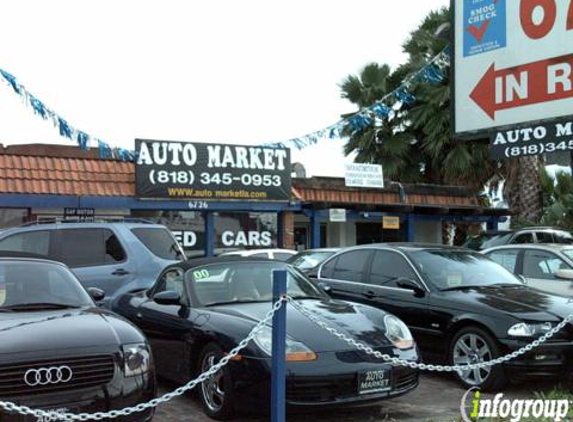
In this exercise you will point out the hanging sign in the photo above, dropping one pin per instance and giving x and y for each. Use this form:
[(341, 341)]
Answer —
[(364, 176), (180, 170), (337, 215), (391, 223), (513, 63), (532, 140)]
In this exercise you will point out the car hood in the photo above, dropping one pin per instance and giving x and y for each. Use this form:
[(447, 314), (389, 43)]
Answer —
[(22, 332), (363, 323), (520, 301)]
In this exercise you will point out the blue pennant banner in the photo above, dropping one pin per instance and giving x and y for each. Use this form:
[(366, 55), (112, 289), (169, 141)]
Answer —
[(434, 72)]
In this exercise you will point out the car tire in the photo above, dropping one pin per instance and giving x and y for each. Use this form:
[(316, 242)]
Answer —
[(473, 345), (216, 394)]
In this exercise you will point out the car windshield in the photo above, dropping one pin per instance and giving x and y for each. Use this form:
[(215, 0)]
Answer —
[(568, 253), (160, 242), (241, 282), (307, 260), (448, 270), (29, 285), (496, 240)]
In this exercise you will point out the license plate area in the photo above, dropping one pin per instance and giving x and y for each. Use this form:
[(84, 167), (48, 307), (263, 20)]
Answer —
[(378, 381)]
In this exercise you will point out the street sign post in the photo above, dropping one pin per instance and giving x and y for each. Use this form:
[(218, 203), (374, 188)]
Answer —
[(513, 64)]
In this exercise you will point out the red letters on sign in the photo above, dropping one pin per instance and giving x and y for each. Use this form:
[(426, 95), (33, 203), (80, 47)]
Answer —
[(531, 29), (570, 17)]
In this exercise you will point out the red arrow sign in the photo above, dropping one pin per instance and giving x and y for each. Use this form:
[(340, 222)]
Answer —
[(533, 83)]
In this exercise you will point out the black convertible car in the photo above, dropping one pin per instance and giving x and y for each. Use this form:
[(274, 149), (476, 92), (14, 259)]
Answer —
[(461, 307), (59, 352), (200, 309)]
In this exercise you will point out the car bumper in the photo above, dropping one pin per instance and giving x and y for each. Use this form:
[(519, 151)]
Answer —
[(114, 396), (552, 359), (329, 382)]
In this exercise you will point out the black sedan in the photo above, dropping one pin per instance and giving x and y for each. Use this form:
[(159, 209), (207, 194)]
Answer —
[(60, 352), (201, 309), (461, 307)]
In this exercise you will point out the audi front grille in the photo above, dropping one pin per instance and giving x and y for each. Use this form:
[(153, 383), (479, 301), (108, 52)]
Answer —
[(48, 376)]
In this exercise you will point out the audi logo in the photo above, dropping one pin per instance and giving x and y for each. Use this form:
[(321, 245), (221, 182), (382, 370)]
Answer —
[(47, 376)]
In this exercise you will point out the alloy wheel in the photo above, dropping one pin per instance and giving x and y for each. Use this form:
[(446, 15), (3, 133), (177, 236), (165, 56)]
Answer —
[(470, 349), (212, 388)]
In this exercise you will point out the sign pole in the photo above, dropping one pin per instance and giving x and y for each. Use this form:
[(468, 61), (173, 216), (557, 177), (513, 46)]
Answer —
[(278, 361)]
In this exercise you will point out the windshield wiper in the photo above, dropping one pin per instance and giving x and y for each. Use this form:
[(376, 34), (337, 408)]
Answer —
[(234, 302), (451, 289), (310, 297), (36, 306)]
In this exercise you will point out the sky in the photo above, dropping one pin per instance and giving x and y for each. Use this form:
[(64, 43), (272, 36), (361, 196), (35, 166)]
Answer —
[(241, 72)]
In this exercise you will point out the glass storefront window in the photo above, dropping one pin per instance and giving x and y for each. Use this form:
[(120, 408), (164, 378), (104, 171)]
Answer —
[(188, 227), (12, 217), (245, 230)]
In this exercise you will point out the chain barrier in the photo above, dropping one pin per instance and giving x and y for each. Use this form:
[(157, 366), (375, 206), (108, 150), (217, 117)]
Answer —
[(428, 367), (54, 416)]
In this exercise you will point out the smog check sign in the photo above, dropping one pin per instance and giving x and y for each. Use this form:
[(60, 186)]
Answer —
[(513, 64)]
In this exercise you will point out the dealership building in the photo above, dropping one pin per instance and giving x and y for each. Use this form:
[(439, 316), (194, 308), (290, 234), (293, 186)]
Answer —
[(39, 181)]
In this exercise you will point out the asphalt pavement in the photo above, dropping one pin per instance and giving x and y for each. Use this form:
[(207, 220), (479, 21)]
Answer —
[(437, 399)]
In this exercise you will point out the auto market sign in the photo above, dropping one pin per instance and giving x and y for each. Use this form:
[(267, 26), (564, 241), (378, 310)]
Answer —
[(513, 63), (183, 170)]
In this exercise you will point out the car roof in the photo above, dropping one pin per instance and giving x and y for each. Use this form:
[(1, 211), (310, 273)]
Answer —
[(320, 250), (408, 247), (11, 255), (79, 225), (226, 259), (554, 247)]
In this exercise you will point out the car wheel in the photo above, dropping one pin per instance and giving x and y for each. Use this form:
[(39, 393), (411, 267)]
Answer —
[(474, 345), (216, 393)]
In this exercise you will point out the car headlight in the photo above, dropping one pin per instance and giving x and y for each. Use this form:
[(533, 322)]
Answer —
[(295, 350), (524, 329), (136, 359), (398, 333)]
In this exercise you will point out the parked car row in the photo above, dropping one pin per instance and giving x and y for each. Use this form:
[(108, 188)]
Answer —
[(175, 318)]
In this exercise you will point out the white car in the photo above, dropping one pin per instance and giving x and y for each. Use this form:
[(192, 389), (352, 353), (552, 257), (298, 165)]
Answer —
[(278, 254)]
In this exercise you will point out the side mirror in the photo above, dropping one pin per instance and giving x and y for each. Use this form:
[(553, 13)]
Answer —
[(169, 297), (325, 287), (405, 283), (96, 294), (564, 275), (312, 272)]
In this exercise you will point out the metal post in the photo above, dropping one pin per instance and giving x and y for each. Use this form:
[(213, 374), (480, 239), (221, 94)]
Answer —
[(492, 224), (315, 230), (209, 233), (410, 228), (280, 230), (278, 361)]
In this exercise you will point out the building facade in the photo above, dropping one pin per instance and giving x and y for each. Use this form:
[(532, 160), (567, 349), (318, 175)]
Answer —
[(48, 181)]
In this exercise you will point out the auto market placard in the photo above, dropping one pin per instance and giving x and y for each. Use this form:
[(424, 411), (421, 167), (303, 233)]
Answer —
[(513, 64), (184, 170)]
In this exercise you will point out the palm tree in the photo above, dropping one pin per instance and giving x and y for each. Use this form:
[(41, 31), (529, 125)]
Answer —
[(557, 199), (416, 144)]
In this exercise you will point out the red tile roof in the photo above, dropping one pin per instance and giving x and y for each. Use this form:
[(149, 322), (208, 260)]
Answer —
[(333, 191), (65, 170), (66, 176)]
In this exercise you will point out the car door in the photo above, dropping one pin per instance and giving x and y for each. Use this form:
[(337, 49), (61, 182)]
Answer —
[(507, 258), (523, 238), (539, 268), (166, 326), (345, 274), (383, 289), (97, 257)]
